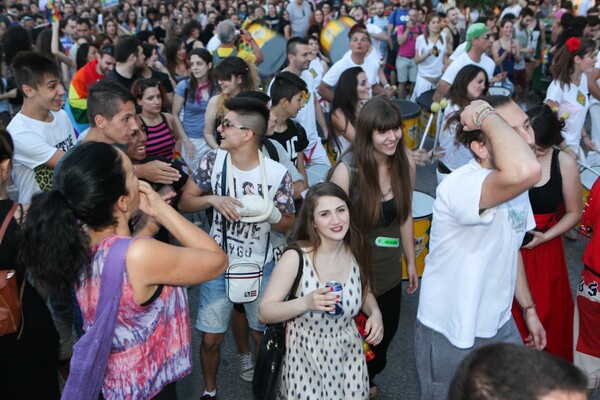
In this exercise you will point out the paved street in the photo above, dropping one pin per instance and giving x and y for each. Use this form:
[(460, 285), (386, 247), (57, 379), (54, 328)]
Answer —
[(398, 381)]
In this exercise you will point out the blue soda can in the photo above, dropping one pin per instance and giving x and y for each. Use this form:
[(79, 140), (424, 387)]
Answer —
[(337, 289)]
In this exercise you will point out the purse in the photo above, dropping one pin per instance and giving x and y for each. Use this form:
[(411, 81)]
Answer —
[(11, 312), (272, 349)]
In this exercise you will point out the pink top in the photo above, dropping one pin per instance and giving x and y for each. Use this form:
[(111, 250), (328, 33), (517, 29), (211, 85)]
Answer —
[(407, 49), (151, 346)]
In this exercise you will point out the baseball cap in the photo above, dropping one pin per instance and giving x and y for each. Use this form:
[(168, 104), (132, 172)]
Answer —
[(474, 31)]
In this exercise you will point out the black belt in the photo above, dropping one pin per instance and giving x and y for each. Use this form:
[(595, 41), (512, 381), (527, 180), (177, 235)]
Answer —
[(442, 169)]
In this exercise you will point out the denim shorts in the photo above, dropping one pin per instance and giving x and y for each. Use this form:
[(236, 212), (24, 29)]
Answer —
[(214, 307)]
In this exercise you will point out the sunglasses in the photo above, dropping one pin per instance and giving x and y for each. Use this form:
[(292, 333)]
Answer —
[(226, 124), (487, 36)]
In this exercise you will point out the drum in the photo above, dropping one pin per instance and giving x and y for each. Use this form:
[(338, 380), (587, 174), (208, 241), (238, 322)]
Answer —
[(422, 211), (410, 122), (334, 37), (316, 173), (587, 181), (273, 46), (424, 101), (499, 91)]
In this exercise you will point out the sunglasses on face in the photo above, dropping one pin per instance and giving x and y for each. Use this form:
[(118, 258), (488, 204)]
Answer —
[(226, 124)]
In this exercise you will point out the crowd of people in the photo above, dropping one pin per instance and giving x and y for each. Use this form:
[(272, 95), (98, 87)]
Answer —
[(144, 150)]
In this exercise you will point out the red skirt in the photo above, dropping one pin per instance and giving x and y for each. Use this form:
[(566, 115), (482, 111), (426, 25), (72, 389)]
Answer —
[(548, 280)]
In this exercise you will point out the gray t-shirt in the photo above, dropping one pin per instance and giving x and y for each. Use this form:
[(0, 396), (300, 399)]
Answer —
[(299, 17)]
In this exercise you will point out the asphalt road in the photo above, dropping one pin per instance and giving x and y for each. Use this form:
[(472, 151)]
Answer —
[(399, 379)]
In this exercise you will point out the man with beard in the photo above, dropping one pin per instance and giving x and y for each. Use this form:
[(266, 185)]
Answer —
[(451, 32), (91, 72), (129, 56), (474, 269)]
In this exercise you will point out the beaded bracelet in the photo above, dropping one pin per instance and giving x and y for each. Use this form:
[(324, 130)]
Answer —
[(482, 113)]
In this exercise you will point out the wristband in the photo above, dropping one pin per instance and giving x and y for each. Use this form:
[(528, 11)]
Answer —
[(387, 86)]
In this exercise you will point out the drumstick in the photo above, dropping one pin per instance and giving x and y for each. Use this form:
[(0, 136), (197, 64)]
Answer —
[(588, 167), (443, 105), (435, 107)]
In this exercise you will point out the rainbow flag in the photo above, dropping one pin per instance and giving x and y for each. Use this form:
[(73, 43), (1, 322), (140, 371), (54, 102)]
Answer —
[(50, 10)]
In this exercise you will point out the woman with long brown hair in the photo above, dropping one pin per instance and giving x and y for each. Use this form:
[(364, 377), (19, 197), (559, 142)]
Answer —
[(233, 75), (333, 249), (378, 173)]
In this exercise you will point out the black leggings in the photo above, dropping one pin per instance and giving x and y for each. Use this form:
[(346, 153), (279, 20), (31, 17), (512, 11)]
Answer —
[(389, 305)]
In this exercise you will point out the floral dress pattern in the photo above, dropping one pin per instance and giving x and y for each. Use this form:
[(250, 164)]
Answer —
[(151, 345)]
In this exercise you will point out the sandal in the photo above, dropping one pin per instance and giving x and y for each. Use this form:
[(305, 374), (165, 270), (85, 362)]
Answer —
[(373, 392)]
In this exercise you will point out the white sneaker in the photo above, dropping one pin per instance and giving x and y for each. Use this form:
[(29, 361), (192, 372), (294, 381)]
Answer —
[(246, 366)]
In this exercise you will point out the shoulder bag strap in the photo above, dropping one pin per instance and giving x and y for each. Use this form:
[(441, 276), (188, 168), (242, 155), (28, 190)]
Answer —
[(292, 294), (91, 352), (224, 193)]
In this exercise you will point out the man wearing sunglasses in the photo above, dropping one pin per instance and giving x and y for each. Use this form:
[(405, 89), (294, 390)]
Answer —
[(479, 41), (227, 179)]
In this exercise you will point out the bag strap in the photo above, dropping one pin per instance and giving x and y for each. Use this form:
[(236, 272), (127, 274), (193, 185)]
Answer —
[(224, 193), (7, 220), (91, 352), (271, 149), (292, 294), (223, 219)]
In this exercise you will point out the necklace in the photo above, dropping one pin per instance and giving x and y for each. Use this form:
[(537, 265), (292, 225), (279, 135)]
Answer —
[(384, 195)]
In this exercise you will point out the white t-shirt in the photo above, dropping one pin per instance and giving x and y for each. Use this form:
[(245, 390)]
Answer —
[(213, 43), (459, 51), (306, 116), (432, 66), (574, 100), (514, 10), (373, 29), (594, 100), (245, 240), (455, 154), (462, 61), (370, 66), (35, 143), (470, 273)]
